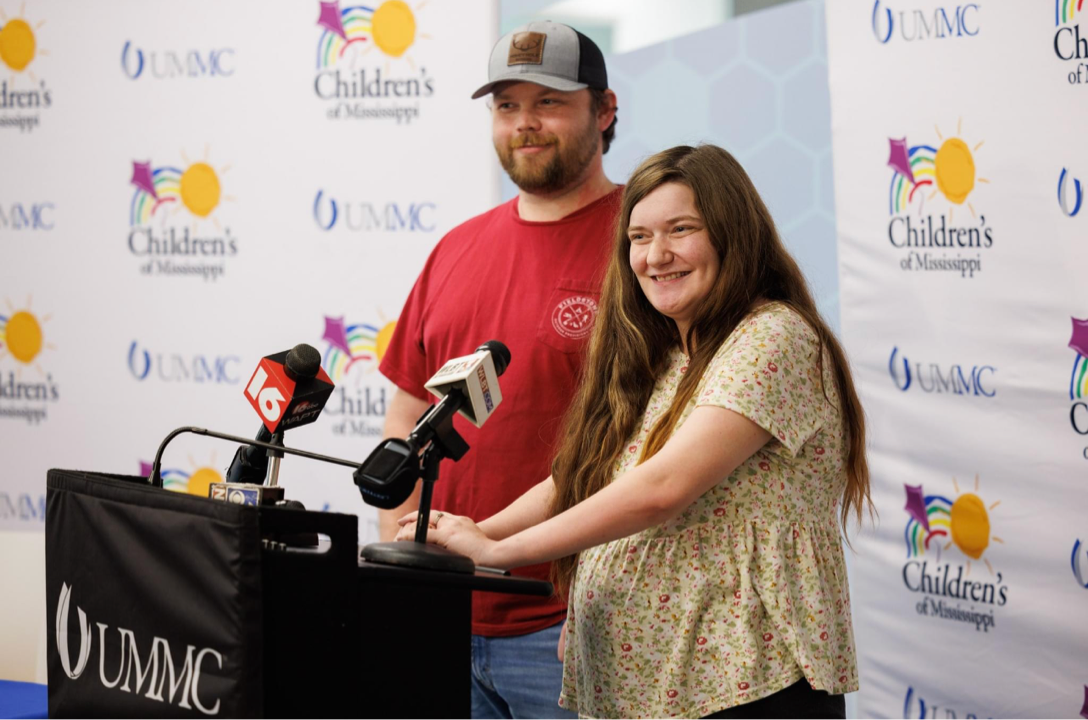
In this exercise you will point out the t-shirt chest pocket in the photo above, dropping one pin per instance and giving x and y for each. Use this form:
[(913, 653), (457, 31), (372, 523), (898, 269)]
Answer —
[(569, 315)]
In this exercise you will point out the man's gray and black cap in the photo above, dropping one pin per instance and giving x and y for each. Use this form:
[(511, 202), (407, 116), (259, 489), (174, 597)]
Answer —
[(549, 54)]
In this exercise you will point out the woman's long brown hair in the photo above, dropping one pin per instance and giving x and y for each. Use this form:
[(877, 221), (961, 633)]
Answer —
[(631, 340)]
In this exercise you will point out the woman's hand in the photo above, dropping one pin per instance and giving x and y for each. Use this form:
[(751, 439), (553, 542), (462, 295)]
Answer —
[(453, 532)]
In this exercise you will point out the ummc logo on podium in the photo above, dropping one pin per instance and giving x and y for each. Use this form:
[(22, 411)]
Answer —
[(166, 680)]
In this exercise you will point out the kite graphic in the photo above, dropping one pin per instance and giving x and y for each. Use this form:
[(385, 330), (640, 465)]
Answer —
[(1078, 382)]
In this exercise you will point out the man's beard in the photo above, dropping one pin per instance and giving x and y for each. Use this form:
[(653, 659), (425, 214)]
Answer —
[(567, 164)]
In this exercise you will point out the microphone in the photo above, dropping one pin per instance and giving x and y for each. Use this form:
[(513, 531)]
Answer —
[(468, 385), (476, 377), (288, 389)]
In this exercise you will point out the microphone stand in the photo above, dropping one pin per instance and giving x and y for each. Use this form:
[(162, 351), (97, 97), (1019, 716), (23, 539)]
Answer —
[(436, 426), (156, 470)]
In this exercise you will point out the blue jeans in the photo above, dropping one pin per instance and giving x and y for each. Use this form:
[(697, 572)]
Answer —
[(517, 677)]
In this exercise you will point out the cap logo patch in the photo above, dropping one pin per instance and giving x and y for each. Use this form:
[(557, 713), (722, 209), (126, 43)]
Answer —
[(526, 48)]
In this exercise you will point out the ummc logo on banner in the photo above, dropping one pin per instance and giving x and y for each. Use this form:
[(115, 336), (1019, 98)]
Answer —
[(373, 217), (941, 238), (22, 339), (356, 350), (935, 378), (936, 524), (1069, 205), (1069, 44), (167, 64), (176, 367), (929, 24), (24, 507), (916, 707), (27, 216), (167, 246), (355, 31), (175, 681), (1080, 565), (22, 90)]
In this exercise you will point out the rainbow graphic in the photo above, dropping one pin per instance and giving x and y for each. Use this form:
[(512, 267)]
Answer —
[(153, 188), (3, 330), (919, 170), (1064, 10), (1078, 383), (936, 521), (172, 479), (342, 28), (348, 344)]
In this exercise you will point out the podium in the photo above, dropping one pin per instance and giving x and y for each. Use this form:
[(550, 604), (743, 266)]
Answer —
[(164, 604)]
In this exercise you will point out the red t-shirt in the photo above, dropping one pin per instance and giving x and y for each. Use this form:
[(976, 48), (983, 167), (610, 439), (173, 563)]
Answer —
[(533, 286)]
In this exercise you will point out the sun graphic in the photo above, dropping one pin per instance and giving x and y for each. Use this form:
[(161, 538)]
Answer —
[(971, 526), (197, 189), (18, 44), (949, 168), (954, 168), (391, 28), (21, 336)]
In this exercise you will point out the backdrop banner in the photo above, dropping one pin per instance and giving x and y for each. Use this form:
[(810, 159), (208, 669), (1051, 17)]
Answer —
[(187, 188), (962, 238)]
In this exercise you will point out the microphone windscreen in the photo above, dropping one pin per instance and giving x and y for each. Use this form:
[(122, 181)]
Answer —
[(303, 361), (500, 355)]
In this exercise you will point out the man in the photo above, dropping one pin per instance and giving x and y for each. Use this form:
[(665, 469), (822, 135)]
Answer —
[(526, 273)]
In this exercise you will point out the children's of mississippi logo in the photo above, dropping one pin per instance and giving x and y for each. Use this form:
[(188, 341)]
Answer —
[(23, 95), (389, 85), (1078, 380), (174, 224), (933, 219), (936, 524), (27, 389), (356, 350), (1069, 44), (194, 481)]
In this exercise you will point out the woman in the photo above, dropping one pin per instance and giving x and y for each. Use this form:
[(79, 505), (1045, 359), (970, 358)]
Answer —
[(714, 447)]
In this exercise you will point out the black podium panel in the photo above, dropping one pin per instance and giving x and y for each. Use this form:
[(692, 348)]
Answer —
[(162, 604)]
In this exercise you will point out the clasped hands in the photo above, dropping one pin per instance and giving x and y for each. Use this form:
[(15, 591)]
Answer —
[(453, 532)]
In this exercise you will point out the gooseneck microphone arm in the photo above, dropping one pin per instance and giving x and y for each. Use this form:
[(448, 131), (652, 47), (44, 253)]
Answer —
[(156, 469)]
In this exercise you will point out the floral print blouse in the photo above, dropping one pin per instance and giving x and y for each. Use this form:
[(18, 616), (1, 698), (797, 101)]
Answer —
[(743, 593)]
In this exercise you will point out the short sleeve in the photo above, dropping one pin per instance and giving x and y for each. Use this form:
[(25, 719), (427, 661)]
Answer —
[(767, 371), (405, 360)]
